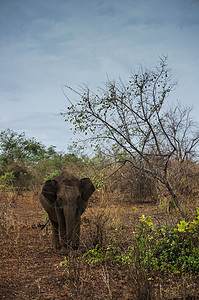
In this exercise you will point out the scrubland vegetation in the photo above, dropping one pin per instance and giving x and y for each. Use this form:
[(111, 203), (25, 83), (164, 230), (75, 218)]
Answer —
[(132, 246), (140, 231)]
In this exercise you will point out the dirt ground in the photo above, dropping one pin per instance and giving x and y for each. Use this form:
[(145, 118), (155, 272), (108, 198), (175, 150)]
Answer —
[(30, 268)]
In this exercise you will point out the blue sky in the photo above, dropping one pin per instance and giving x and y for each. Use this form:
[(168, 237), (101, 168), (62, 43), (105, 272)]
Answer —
[(47, 44)]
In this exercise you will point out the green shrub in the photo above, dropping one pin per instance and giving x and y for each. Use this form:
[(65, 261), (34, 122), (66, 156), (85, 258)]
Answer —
[(174, 249), (7, 181), (51, 175), (167, 248)]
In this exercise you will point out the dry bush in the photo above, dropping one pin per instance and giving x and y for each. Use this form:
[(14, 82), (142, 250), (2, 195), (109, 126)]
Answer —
[(101, 220), (75, 274), (134, 186), (141, 286), (128, 185), (184, 177), (95, 221), (19, 210)]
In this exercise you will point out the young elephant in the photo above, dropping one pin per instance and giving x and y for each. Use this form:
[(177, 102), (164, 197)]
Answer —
[(65, 198)]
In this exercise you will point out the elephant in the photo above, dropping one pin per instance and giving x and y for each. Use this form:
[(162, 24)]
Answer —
[(65, 198)]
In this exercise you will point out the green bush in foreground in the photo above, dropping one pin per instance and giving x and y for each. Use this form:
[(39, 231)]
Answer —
[(168, 248)]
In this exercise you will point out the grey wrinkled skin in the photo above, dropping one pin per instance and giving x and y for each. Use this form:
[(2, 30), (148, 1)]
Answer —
[(65, 199)]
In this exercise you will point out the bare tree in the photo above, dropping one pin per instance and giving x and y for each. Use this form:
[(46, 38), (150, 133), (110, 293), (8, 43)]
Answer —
[(128, 122), (183, 132)]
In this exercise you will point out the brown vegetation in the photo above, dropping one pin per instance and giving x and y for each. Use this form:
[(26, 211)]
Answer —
[(30, 268)]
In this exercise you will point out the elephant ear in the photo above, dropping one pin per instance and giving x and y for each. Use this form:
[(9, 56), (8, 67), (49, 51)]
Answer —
[(87, 188), (50, 190)]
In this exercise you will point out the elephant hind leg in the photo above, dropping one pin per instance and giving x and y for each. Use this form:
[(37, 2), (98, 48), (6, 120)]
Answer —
[(55, 235)]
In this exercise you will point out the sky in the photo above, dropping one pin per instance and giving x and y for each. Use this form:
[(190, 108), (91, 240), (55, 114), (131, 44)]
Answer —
[(47, 44)]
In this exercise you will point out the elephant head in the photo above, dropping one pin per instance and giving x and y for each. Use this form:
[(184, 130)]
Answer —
[(65, 198)]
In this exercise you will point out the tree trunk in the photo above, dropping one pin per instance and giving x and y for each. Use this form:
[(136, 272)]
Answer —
[(175, 198)]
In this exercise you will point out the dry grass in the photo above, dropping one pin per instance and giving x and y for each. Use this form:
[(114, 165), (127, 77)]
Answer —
[(30, 268)]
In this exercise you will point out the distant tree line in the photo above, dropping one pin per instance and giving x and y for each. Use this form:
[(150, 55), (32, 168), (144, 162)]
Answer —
[(24, 160)]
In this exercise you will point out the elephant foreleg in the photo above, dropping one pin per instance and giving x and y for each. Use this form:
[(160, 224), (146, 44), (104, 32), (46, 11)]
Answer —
[(76, 232), (62, 227), (55, 235)]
